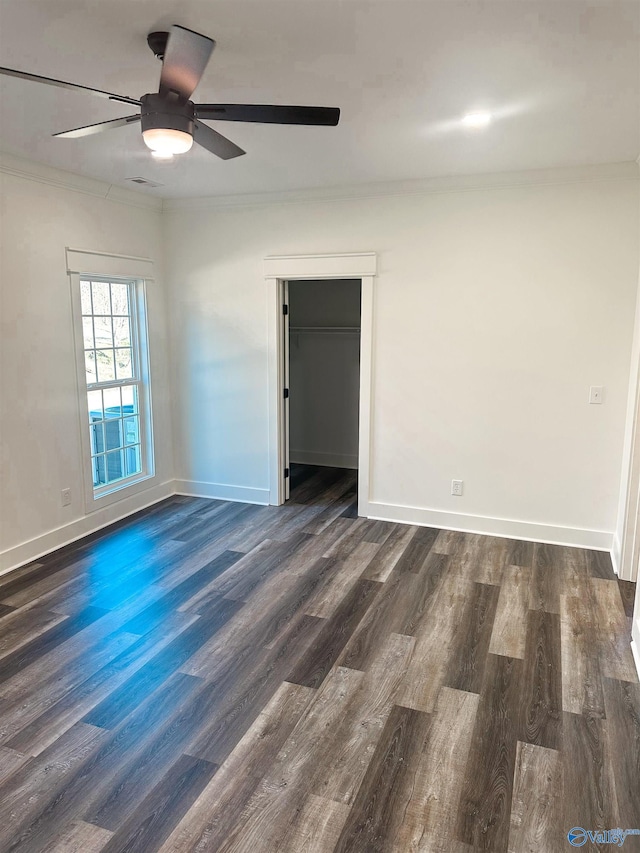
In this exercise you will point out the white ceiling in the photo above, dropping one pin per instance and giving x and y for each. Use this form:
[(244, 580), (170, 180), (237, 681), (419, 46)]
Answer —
[(562, 79)]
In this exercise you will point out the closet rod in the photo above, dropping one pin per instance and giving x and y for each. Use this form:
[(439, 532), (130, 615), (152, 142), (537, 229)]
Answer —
[(326, 330)]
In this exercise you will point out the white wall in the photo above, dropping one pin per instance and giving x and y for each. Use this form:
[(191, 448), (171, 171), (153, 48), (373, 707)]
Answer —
[(495, 310), (324, 372), (39, 422)]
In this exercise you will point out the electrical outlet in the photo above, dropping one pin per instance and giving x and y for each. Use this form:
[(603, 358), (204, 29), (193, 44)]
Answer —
[(65, 497), (456, 487)]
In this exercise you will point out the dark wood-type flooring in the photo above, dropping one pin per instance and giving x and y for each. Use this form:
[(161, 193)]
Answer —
[(214, 676)]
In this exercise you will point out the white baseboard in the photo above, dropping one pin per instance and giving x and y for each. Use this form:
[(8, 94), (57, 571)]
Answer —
[(616, 554), (635, 647), (599, 540), (222, 492), (25, 552), (330, 460)]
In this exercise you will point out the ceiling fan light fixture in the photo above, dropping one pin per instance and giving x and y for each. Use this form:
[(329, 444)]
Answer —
[(167, 141)]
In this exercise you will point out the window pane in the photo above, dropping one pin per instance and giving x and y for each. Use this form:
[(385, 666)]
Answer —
[(104, 333), (131, 431), (129, 399), (87, 332), (123, 364), (112, 402), (85, 297), (133, 460), (115, 468), (101, 298), (96, 434), (106, 365), (99, 471), (94, 401), (120, 298), (114, 433), (121, 332), (90, 366)]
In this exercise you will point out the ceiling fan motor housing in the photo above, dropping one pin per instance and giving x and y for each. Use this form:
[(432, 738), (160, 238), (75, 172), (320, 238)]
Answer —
[(165, 113)]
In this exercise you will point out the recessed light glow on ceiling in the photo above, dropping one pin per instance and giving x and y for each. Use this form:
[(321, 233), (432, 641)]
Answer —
[(477, 120)]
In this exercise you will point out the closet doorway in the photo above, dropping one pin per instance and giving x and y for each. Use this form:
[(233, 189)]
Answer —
[(279, 270), (322, 389)]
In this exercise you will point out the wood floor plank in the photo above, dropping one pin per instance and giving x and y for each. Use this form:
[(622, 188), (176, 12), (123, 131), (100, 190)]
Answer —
[(546, 578), (153, 615), (485, 801), (389, 553), (281, 795), (437, 635), (622, 703), (79, 837), (347, 757), (587, 766), (88, 779), (218, 808), (581, 675), (467, 663), (541, 714), (536, 811), (39, 646), (312, 669), (628, 595), (317, 827), (600, 565), (509, 627), (160, 811), (375, 819), (30, 693), (35, 735), (112, 710), (328, 598), (262, 621), (229, 704), (22, 795), (10, 761), (615, 656), (239, 582), (435, 785), (20, 627)]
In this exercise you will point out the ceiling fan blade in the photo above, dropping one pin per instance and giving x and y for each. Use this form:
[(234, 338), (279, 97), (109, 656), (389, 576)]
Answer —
[(269, 114), (185, 59), (215, 142), (23, 75), (90, 129)]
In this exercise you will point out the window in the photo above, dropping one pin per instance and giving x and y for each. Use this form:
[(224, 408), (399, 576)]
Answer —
[(116, 395)]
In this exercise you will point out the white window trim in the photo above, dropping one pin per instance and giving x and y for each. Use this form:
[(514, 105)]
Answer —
[(85, 264)]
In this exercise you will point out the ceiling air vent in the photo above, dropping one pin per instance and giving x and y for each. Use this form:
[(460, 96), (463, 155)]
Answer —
[(145, 181)]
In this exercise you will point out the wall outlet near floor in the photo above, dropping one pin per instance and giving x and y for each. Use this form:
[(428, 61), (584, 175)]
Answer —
[(456, 487), (65, 497)]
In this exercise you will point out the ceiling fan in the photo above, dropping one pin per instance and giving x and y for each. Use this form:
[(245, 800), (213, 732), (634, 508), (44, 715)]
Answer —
[(170, 121)]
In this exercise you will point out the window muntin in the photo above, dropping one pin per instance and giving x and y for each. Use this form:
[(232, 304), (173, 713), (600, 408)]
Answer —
[(115, 394)]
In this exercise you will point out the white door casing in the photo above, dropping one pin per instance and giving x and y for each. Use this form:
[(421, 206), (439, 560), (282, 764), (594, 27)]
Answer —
[(278, 270)]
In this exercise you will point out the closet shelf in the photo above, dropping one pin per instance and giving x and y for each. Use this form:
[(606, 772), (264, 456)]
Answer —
[(325, 330)]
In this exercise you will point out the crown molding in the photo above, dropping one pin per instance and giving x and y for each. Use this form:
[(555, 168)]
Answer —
[(11, 164), (30, 170), (426, 186)]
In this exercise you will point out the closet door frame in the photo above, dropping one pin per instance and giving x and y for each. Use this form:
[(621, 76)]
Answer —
[(278, 270)]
